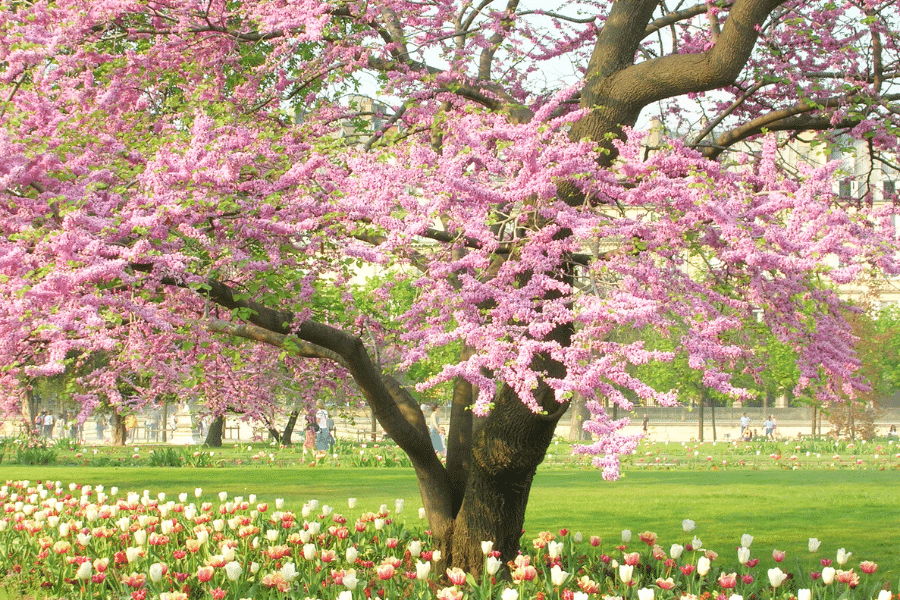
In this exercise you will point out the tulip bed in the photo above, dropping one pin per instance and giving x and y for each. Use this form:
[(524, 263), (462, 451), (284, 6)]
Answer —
[(81, 541)]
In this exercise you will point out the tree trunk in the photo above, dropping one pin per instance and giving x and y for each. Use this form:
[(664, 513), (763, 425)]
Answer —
[(214, 435), (712, 414), (164, 422), (700, 403), (119, 434), (506, 452), (30, 408), (289, 429), (579, 414)]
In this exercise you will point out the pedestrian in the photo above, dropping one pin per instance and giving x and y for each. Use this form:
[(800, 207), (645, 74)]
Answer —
[(434, 430), (646, 423), (324, 441), (769, 428), (48, 424), (745, 423), (131, 424)]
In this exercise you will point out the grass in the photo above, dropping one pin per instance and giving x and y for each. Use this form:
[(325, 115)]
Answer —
[(781, 508)]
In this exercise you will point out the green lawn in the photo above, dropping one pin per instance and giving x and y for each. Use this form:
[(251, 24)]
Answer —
[(782, 509)]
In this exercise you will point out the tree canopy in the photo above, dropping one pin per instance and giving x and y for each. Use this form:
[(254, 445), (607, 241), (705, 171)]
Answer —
[(175, 174)]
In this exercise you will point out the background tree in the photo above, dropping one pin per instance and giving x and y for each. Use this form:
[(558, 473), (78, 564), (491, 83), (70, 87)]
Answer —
[(178, 173)]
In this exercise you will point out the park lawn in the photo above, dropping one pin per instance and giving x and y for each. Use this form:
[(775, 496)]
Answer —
[(782, 509)]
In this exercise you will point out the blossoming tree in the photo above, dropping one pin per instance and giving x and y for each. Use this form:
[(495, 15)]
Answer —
[(176, 176)]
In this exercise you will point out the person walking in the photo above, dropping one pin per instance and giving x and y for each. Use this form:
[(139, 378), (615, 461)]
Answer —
[(434, 430), (48, 425), (324, 441), (745, 423), (769, 428)]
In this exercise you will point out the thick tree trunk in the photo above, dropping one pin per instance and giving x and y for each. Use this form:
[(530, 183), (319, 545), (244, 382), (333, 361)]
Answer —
[(119, 432), (214, 435), (289, 429), (506, 452)]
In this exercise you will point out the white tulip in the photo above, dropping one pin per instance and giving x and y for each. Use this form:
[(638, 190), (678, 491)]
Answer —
[(493, 565), (703, 566), (675, 551), (558, 576), (351, 502), (487, 547), (350, 580), (814, 544), (804, 594), (554, 549), (509, 594), (776, 577), (309, 551), (746, 540), (351, 555), (156, 572), (289, 572), (843, 556), (415, 548), (422, 570), (688, 526), (233, 570), (227, 553), (626, 535), (84, 571), (743, 555), (645, 594), (828, 574), (626, 573)]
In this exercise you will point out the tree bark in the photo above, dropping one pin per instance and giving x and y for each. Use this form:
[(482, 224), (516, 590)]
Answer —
[(119, 433), (506, 452), (289, 428), (214, 435), (579, 414)]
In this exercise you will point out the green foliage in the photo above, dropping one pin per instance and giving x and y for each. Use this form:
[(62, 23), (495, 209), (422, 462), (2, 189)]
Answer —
[(34, 451), (67, 444)]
